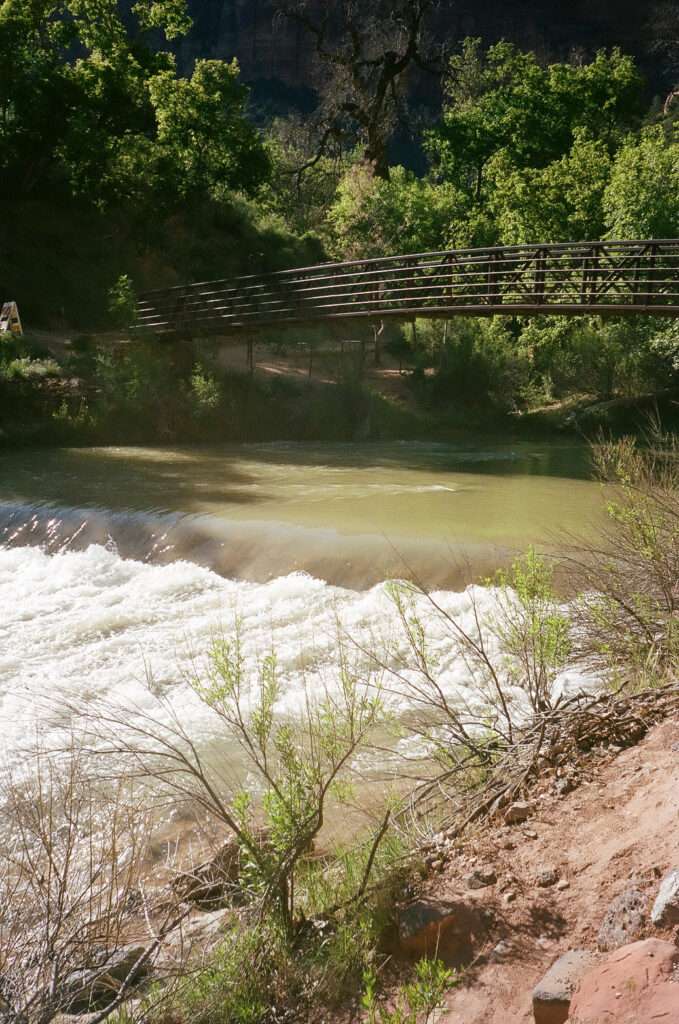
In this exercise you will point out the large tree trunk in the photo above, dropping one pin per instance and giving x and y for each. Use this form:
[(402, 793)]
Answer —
[(376, 154)]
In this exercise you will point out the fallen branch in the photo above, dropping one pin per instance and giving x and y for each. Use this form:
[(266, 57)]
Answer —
[(575, 726), (627, 402)]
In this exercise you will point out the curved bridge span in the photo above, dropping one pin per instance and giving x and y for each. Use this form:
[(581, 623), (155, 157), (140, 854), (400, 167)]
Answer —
[(569, 279)]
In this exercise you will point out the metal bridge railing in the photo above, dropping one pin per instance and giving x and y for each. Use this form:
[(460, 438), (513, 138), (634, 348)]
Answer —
[(608, 278)]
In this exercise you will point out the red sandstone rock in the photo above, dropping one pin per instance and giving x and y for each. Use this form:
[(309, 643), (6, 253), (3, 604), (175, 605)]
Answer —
[(638, 984)]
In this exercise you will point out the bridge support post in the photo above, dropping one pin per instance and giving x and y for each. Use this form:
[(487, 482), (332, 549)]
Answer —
[(540, 277), (251, 358), (378, 332)]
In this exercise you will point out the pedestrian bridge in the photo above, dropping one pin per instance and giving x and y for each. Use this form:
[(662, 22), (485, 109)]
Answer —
[(628, 278)]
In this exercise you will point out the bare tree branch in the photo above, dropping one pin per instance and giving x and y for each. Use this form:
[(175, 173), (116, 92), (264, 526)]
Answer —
[(366, 52)]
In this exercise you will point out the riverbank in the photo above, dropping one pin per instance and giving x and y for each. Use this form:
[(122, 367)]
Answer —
[(507, 901), (518, 910), (600, 825), (88, 389)]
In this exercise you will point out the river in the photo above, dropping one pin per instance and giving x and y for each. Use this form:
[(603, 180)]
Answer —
[(121, 565)]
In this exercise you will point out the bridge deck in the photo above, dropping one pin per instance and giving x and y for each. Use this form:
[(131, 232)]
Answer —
[(570, 279)]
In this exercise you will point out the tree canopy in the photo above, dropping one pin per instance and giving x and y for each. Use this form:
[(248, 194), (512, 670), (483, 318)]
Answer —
[(502, 100), (89, 107)]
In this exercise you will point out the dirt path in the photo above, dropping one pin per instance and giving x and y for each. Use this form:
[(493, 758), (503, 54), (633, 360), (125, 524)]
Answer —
[(621, 828)]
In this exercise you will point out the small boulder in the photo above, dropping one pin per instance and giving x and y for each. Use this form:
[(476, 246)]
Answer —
[(91, 987), (517, 812), (624, 919), (546, 876), (426, 926), (480, 878), (208, 883), (636, 983), (552, 995), (212, 884), (666, 907)]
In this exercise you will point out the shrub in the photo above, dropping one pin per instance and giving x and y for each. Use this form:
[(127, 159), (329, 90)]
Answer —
[(629, 580), (418, 1001), (70, 887), (122, 303)]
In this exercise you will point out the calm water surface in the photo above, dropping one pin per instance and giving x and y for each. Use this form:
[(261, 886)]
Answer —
[(345, 513)]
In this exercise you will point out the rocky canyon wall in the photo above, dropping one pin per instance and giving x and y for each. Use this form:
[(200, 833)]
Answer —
[(281, 53)]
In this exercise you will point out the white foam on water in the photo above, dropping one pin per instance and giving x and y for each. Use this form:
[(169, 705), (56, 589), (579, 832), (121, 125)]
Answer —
[(89, 624)]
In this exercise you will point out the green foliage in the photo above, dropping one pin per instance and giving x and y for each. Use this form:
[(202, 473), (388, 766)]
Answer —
[(600, 357), (257, 972), (25, 368), (373, 217), (122, 302), (205, 144), (561, 202), (241, 980), (481, 361), (299, 765), (205, 391), (117, 123), (417, 1002), (629, 581), (533, 632), (505, 101), (642, 199), (517, 643)]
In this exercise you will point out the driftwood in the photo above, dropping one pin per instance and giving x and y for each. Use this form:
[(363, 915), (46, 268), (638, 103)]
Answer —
[(628, 402)]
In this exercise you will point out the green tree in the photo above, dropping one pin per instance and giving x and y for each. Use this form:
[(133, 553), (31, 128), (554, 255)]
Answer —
[(35, 92), (88, 105), (562, 202), (375, 217), (642, 199), (504, 101), (202, 131), (57, 114)]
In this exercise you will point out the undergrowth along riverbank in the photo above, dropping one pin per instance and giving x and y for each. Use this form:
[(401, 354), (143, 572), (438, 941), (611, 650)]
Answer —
[(108, 390), (131, 393)]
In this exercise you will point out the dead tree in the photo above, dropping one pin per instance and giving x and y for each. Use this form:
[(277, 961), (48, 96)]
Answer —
[(365, 51)]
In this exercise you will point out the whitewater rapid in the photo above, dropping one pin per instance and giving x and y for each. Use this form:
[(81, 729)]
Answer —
[(86, 625)]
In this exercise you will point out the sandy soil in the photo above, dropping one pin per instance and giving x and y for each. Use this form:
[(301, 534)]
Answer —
[(326, 367), (618, 829)]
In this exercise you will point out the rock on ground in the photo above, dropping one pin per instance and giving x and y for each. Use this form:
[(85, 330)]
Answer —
[(547, 875), (517, 812), (480, 878), (624, 919), (552, 995), (638, 983), (666, 907), (88, 986), (208, 884), (428, 926)]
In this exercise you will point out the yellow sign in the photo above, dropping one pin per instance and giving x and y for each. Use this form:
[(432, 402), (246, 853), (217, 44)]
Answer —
[(10, 321)]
